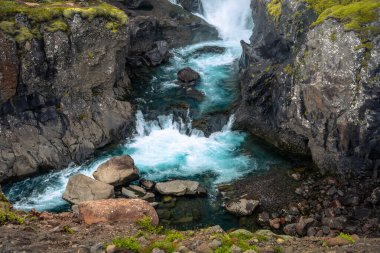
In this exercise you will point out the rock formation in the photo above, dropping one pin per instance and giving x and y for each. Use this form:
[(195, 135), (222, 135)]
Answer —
[(312, 88)]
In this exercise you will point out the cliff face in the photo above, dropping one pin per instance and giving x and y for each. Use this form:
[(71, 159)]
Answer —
[(312, 89), (64, 84)]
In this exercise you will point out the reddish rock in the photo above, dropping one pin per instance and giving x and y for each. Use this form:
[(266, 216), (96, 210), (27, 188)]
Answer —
[(128, 210)]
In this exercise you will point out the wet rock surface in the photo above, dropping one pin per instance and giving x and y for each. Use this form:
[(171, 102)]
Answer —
[(117, 171), (82, 188), (188, 76), (180, 188)]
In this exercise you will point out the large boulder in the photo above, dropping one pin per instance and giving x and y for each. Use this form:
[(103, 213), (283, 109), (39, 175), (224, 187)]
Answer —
[(83, 188), (117, 171), (188, 76), (242, 207), (128, 210), (180, 188)]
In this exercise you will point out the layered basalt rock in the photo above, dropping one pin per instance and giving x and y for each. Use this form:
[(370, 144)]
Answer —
[(312, 90)]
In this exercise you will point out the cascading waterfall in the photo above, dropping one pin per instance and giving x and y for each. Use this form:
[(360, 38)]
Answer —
[(170, 147)]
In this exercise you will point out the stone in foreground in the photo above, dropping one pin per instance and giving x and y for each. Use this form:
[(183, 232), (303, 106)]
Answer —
[(180, 188), (107, 210), (242, 207), (117, 171), (83, 188)]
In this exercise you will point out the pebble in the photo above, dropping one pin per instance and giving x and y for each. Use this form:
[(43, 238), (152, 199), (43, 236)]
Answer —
[(215, 244), (111, 249)]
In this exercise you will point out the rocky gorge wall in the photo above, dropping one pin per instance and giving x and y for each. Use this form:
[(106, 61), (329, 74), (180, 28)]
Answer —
[(66, 92), (312, 87)]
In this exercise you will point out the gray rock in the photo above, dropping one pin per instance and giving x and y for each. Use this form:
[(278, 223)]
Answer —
[(192, 5), (157, 250), (97, 248), (290, 229), (188, 76), (180, 188), (215, 244), (147, 184), (235, 249), (242, 207), (117, 171), (82, 188), (295, 106), (375, 196), (159, 54)]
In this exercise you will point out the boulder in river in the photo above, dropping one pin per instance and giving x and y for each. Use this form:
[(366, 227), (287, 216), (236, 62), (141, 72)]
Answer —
[(128, 210), (242, 207), (188, 76), (83, 188), (117, 171), (209, 50), (180, 188)]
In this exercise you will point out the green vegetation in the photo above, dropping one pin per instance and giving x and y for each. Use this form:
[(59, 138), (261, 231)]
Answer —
[(57, 25), (173, 235), (129, 243), (54, 13), (289, 70), (146, 224), (68, 230), (346, 237), (8, 216), (240, 241), (275, 9), (354, 14), (164, 245), (333, 37)]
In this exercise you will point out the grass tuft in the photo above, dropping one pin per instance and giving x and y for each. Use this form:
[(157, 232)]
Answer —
[(275, 9)]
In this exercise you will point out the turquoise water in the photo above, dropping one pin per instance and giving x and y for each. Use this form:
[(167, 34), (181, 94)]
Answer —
[(165, 145)]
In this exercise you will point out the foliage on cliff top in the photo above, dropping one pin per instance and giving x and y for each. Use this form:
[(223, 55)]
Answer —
[(275, 9), (47, 10), (354, 14)]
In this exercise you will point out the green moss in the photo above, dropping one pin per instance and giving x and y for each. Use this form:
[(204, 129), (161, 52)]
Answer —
[(129, 243), (8, 27), (47, 11), (354, 14), (240, 241), (278, 249), (333, 37), (346, 237), (174, 235), (164, 245), (68, 230), (112, 26), (146, 224), (23, 34), (275, 9), (289, 70), (57, 25)]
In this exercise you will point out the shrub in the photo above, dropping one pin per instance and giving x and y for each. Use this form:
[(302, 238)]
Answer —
[(346, 237), (130, 243), (146, 224)]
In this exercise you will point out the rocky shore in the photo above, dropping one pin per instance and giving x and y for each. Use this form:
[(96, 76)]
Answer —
[(65, 78)]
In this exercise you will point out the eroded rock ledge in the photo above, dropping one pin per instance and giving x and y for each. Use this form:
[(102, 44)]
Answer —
[(312, 89)]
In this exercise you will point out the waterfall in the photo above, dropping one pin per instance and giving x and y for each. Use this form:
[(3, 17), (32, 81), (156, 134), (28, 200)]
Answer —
[(232, 18)]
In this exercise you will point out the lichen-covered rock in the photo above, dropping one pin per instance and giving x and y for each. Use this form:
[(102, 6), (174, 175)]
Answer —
[(127, 210), (117, 171), (81, 188), (312, 90), (180, 188)]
